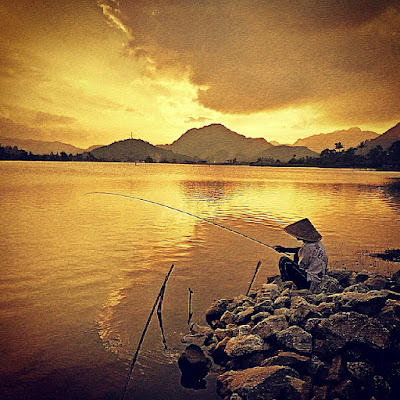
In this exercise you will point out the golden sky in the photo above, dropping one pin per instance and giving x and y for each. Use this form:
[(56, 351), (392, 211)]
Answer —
[(91, 72)]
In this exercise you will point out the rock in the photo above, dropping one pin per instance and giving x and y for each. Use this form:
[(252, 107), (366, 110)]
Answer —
[(262, 383), (215, 311), (288, 359), (328, 285), (194, 366), (264, 306), (295, 338), (319, 392), (358, 288), (327, 308), (242, 345), (282, 301), (360, 370), (270, 326), (285, 312), (300, 310), (342, 276), (228, 317), (381, 388), (361, 277), (244, 316), (346, 327), (256, 318), (364, 303), (344, 390), (377, 283), (270, 291), (337, 369)]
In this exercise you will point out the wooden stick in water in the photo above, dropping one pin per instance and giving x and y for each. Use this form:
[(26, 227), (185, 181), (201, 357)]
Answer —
[(190, 305), (254, 277), (145, 330)]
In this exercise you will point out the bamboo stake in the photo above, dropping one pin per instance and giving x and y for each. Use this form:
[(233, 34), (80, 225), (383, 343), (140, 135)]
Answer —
[(145, 330), (190, 306), (254, 277)]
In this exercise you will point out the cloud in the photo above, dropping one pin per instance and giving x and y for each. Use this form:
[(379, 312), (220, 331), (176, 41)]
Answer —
[(191, 120), (251, 56), (42, 118)]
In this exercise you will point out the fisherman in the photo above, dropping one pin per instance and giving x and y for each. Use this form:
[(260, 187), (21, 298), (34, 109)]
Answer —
[(308, 273)]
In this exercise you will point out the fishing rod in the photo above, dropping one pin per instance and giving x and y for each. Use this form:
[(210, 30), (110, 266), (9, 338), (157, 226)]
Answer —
[(187, 213)]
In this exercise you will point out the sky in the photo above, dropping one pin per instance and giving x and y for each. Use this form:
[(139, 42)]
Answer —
[(89, 72)]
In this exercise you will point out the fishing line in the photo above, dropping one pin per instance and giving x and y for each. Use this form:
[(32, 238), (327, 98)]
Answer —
[(187, 213)]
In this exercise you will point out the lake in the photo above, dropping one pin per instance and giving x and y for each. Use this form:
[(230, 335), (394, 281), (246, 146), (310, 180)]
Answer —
[(80, 271)]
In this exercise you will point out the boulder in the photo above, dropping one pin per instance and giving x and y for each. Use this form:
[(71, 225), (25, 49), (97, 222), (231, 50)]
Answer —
[(270, 326), (263, 383), (243, 345), (288, 359), (346, 327), (215, 311), (194, 366), (328, 285), (364, 303), (360, 370), (300, 310), (296, 339)]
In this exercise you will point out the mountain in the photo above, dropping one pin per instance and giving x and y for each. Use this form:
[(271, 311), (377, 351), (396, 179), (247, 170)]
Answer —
[(136, 150), (285, 153), (349, 138), (42, 147), (385, 140), (216, 143)]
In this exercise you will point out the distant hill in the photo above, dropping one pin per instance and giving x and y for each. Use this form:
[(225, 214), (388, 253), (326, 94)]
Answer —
[(385, 140), (136, 150), (349, 138), (41, 147), (285, 153), (216, 143)]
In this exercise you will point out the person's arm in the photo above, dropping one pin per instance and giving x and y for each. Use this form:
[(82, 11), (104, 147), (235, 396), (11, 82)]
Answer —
[(294, 250)]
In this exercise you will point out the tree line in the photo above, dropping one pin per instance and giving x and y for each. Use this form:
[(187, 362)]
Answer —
[(376, 158)]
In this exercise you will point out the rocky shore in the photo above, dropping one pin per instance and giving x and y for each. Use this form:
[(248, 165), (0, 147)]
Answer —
[(340, 342)]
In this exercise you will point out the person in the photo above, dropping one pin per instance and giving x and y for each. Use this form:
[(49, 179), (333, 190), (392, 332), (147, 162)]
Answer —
[(310, 261)]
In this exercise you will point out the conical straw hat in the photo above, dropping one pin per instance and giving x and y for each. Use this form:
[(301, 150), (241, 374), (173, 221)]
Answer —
[(304, 230)]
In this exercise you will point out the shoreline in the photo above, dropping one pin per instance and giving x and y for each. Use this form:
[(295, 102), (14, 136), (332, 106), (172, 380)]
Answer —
[(340, 342)]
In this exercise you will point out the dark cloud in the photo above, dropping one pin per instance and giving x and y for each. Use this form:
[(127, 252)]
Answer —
[(42, 118), (262, 55)]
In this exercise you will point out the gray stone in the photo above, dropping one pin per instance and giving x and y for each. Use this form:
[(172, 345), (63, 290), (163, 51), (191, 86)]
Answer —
[(270, 326), (244, 316), (300, 310), (288, 359), (256, 318), (328, 285), (262, 383), (358, 288), (346, 327), (215, 311), (282, 301), (360, 370), (242, 345), (364, 303), (295, 338)]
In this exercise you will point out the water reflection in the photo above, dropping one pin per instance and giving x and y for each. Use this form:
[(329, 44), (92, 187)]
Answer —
[(79, 273)]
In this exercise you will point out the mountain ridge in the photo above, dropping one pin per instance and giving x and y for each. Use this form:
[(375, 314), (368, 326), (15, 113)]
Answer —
[(352, 137)]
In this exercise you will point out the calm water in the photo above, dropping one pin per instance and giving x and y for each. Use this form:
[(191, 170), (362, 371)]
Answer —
[(80, 272)]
